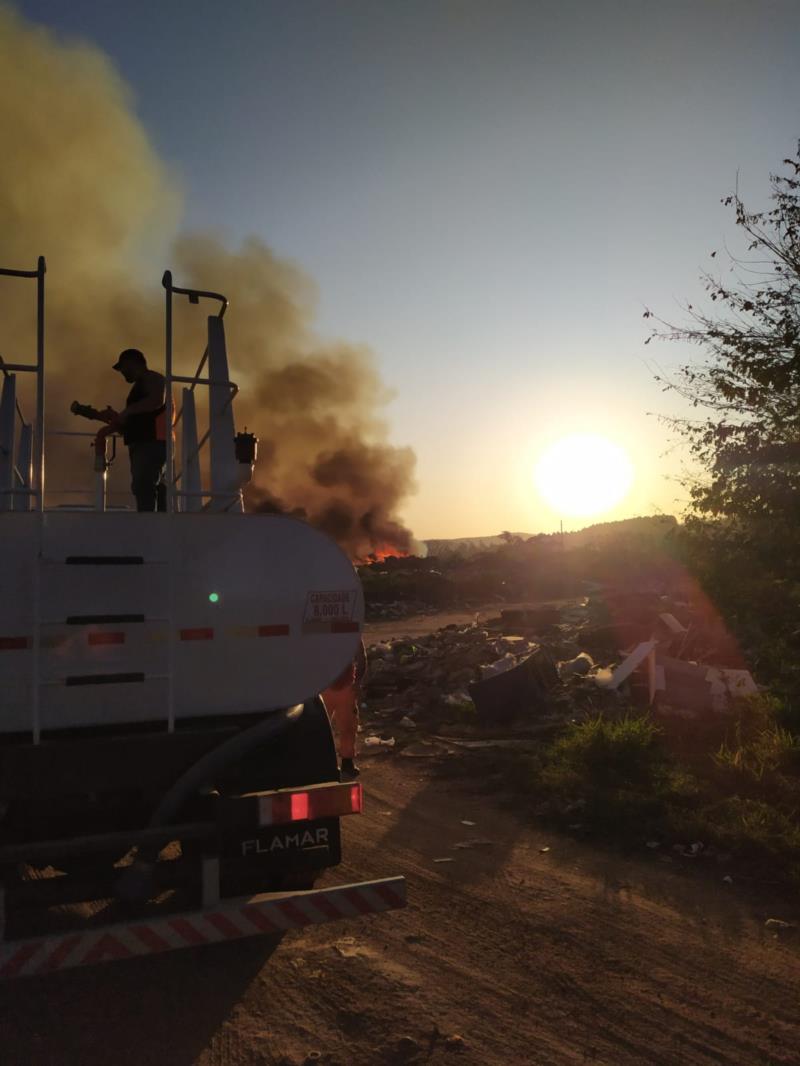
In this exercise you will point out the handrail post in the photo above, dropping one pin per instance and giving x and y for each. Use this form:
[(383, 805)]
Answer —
[(41, 268), (167, 283)]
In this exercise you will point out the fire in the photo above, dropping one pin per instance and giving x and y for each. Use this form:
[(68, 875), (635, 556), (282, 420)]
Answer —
[(380, 554)]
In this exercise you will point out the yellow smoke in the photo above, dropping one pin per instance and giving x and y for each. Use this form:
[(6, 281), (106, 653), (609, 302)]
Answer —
[(82, 185)]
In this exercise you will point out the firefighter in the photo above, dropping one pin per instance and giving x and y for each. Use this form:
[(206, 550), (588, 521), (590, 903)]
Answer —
[(142, 423), (341, 703)]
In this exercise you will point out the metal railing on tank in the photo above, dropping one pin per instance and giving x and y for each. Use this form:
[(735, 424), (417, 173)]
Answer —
[(22, 463), (189, 493)]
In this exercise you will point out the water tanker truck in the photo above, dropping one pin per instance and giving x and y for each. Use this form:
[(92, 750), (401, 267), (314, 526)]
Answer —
[(168, 776)]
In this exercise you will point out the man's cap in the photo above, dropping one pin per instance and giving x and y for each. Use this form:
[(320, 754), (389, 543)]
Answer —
[(130, 355)]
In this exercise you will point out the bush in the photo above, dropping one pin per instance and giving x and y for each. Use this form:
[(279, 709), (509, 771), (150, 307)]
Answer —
[(757, 748), (620, 774), (751, 827), (610, 754)]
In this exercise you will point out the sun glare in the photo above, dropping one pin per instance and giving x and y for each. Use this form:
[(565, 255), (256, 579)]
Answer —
[(584, 475)]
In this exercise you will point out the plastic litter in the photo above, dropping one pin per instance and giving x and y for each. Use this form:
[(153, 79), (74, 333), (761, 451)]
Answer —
[(580, 666), (499, 666), (378, 742)]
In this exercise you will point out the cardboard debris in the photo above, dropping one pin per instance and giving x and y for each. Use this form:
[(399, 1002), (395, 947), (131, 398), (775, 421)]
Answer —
[(537, 661), (517, 691), (690, 686), (614, 678)]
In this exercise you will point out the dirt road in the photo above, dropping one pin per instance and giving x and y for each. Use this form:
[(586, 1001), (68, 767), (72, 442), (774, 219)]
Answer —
[(507, 954)]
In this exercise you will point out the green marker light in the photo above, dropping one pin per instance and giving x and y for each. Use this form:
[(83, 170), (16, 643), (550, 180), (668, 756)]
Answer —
[(213, 597)]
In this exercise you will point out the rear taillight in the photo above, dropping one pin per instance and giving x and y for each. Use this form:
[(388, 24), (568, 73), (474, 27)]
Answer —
[(307, 804)]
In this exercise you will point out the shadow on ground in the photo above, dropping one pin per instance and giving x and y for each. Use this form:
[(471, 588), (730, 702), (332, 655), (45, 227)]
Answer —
[(160, 1009)]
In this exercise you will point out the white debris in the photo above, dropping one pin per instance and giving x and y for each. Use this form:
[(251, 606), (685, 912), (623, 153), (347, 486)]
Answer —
[(378, 742), (614, 678), (580, 665)]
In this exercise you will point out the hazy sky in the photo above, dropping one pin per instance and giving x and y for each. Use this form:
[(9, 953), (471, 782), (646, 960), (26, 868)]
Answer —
[(486, 194)]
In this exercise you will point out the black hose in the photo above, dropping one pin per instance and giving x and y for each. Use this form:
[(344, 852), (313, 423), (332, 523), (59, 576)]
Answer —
[(136, 882)]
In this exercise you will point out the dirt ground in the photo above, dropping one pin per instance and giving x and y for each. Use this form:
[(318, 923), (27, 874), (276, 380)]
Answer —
[(507, 954), (418, 625)]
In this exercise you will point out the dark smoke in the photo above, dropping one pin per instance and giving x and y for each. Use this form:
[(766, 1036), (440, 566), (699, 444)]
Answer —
[(82, 185)]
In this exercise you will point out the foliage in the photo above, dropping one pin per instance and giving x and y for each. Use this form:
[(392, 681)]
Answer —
[(740, 537), (614, 778), (749, 381), (754, 828), (618, 772), (757, 747), (608, 753)]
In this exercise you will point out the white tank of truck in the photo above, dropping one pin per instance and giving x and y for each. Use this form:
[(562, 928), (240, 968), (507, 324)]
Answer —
[(112, 617)]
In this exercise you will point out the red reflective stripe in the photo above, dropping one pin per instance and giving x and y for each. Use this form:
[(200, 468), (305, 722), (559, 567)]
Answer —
[(187, 931), (292, 912), (106, 638), (273, 631), (225, 925), (389, 895), (358, 901), (345, 627), (150, 938), (13, 643), (107, 946), (326, 907), (197, 634), (55, 958), (259, 919), (18, 960)]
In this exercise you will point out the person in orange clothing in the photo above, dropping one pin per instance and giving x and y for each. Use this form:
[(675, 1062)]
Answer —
[(341, 702)]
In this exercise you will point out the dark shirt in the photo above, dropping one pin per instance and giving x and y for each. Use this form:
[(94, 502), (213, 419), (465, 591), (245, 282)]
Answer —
[(147, 425)]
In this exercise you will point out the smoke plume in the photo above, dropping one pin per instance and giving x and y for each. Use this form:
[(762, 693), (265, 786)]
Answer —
[(82, 185)]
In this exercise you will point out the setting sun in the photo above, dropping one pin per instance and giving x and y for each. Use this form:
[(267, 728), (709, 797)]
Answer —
[(583, 475)]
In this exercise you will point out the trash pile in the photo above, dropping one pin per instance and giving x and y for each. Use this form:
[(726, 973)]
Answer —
[(535, 666), (457, 678)]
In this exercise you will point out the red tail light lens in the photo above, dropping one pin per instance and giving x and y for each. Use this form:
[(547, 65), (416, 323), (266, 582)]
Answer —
[(319, 801)]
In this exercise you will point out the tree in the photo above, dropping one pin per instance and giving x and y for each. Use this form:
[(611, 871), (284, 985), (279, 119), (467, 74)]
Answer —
[(743, 528)]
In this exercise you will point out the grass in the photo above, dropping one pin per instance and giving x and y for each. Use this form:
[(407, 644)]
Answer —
[(739, 794)]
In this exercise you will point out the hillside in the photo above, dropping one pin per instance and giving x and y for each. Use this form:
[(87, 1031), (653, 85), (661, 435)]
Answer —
[(465, 547)]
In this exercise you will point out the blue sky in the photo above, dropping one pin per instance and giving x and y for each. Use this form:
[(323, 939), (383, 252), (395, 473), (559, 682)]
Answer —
[(486, 194)]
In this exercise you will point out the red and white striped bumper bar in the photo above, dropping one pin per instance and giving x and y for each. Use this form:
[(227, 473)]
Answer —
[(232, 919)]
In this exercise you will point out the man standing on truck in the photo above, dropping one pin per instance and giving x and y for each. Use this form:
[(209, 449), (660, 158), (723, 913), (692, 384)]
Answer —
[(143, 425)]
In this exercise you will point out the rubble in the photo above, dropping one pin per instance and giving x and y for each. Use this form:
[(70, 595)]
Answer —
[(515, 690), (582, 664), (534, 666)]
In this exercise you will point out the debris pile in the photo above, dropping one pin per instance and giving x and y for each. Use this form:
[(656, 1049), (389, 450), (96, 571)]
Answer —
[(533, 665), (467, 675)]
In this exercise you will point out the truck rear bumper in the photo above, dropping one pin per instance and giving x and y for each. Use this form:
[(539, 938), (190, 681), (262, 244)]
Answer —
[(230, 919)]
